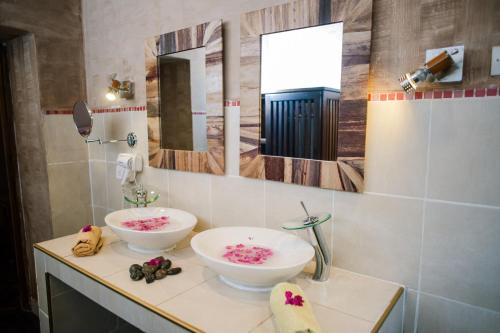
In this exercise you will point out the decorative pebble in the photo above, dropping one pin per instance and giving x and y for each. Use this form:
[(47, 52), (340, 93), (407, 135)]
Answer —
[(166, 264), (148, 268), (135, 267), (150, 277), (136, 275), (161, 273), (154, 269), (174, 271)]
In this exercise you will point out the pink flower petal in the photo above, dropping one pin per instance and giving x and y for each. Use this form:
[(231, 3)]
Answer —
[(246, 254)]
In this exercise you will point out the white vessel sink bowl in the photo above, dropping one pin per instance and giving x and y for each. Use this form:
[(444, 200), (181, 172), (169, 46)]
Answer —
[(180, 225), (290, 255)]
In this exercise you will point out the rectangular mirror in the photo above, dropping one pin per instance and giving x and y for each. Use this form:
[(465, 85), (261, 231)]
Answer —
[(185, 99), (300, 92), (303, 119)]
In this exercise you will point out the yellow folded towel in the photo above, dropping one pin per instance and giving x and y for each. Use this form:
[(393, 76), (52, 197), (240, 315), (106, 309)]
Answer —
[(293, 313), (88, 241)]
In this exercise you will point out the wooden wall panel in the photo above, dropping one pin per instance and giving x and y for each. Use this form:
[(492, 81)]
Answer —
[(404, 29), (346, 173)]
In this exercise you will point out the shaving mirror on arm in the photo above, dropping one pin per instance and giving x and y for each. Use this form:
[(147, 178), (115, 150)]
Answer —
[(185, 100), (303, 120)]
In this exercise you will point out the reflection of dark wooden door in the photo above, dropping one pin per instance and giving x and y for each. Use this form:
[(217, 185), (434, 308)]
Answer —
[(12, 283), (175, 104), (301, 123)]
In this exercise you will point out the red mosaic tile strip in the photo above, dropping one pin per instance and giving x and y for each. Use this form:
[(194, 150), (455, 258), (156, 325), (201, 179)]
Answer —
[(59, 112), (373, 96), (229, 102), (434, 94), (121, 109)]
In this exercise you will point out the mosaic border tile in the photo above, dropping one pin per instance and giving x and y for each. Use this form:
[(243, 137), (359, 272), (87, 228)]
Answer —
[(227, 103), (434, 94), (478, 92)]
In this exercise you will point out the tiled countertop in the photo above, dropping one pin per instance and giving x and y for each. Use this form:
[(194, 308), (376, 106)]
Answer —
[(196, 299)]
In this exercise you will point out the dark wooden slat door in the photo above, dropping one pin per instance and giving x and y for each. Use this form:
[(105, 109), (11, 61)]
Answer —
[(301, 123)]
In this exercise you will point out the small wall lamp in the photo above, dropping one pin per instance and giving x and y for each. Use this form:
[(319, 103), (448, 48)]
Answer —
[(443, 65), (122, 89)]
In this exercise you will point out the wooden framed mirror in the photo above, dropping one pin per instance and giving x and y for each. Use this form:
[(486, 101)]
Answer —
[(303, 83), (184, 91)]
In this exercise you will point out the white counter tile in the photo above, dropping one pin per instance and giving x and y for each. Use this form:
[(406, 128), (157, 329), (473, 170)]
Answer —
[(111, 259), (358, 295), (162, 290), (329, 320), (216, 307)]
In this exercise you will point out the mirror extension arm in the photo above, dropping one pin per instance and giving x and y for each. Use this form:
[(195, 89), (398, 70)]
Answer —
[(131, 140)]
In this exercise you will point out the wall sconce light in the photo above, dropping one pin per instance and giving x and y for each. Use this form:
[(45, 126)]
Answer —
[(122, 89), (443, 65)]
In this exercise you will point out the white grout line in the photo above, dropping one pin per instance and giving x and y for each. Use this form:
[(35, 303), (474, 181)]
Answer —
[(104, 120), (66, 162), (399, 196), (265, 204), (169, 173), (405, 296), (210, 201), (424, 210), (459, 203), (425, 198), (477, 307), (371, 277), (332, 230), (91, 191)]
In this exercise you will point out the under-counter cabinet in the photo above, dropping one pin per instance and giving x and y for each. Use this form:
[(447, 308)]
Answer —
[(96, 294)]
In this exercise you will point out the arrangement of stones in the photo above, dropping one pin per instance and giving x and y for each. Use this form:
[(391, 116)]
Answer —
[(155, 269)]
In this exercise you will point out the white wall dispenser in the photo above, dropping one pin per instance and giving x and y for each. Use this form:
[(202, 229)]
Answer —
[(127, 165)]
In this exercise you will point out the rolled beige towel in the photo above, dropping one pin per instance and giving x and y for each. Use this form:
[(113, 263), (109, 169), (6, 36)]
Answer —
[(293, 313), (88, 241)]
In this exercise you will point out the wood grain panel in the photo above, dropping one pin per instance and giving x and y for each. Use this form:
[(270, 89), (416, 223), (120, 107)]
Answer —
[(208, 35), (346, 173), (404, 29)]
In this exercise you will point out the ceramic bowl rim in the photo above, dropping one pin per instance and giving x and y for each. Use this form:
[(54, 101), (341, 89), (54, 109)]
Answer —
[(190, 225), (196, 249)]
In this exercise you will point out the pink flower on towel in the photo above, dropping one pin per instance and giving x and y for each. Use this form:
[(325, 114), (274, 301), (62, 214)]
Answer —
[(87, 228), (296, 300)]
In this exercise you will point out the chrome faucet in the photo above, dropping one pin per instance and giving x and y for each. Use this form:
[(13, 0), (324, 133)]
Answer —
[(322, 252), (138, 196), (141, 197)]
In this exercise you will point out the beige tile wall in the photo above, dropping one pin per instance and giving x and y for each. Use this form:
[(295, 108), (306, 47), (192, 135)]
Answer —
[(68, 174), (430, 217)]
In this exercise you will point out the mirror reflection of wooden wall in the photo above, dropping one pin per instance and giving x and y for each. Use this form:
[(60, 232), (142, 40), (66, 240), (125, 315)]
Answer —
[(346, 173), (171, 147)]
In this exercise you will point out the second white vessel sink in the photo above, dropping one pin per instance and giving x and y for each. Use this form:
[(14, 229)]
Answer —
[(151, 229), (251, 258)]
